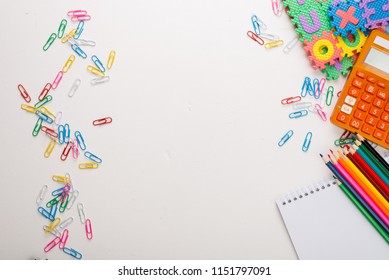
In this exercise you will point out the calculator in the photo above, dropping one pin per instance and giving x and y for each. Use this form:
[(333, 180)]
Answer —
[(363, 105)]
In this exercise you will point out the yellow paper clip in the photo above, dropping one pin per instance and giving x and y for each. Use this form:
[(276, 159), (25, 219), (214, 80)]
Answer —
[(28, 108), (95, 71), (68, 36), (50, 148), (68, 63), (52, 225), (273, 44), (59, 179), (88, 165), (111, 59), (47, 112)]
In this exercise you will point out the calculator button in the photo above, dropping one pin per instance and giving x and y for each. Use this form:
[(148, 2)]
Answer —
[(357, 83), (355, 123), (387, 107), (342, 117), (346, 109), (382, 125), (371, 79), (367, 97), (381, 84), (361, 74), (353, 91), (382, 94), (367, 128), (374, 111), (385, 116), (359, 115), (350, 100), (378, 134), (378, 102), (387, 139), (370, 89), (363, 105), (371, 120)]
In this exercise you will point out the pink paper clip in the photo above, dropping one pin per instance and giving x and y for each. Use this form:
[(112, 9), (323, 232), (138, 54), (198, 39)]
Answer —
[(65, 193), (45, 91), (322, 84), (24, 93), (255, 37), (64, 238), (57, 80), (49, 131), (77, 13), (290, 100), (52, 244), (102, 121), (88, 229), (75, 151), (275, 4), (320, 111), (81, 18), (66, 151)]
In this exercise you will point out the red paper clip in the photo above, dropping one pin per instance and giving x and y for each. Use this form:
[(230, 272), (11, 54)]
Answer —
[(52, 244), (24, 93), (320, 111), (66, 151), (45, 91), (290, 100), (255, 37), (88, 229), (49, 131), (57, 79), (338, 94), (102, 121), (64, 238)]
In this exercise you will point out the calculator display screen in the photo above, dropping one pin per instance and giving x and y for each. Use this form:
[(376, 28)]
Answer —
[(378, 59)]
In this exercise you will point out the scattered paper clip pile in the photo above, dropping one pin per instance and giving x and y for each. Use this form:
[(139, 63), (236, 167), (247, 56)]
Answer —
[(258, 36), (47, 121), (62, 200), (321, 97)]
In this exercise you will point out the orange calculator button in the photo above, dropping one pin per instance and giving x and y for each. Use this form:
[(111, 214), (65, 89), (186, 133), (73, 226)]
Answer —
[(378, 102), (367, 97), (378, 134), (371, 79), (387, 139), (385, 116), (361, 74), (342, 117), (355, 123), (371, 120), (382, 94), (381, 84), (370, 89), (363, 105), (353, 91), (387, 107), (367, 128), (357, 83), (375, 111), (360, 115), (382, 125)]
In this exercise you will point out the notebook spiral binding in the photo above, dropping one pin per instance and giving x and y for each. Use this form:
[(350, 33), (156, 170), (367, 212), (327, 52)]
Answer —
[(307, 191)]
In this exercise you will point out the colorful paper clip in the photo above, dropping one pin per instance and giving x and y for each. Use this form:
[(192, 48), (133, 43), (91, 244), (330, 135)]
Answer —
[(81, 213), (255, 37), (307, 87), (53, 210), (95, 71), (79, 29), (285, 138), (67, 132), (276, 7), (102, 121), (307, 142), (88, 165), (344, 141), (37, 127), (57, 192), (41, 194), (320, 111), (98, 63), (97, 81), (111, 59), (52, 244), (45, 213), (53, 201), (83, 42), (289, 46), (53, 225), (316, 88), (61, 28), (44, 101), (88, 229), (302, 105), (24, 93), (61, 134), (49, 41), (256, 26), (273, 44), (72, 199), (80, 140), (28, 108), (50, 148), (76, 13), (79, 51), (66, 151), (58, 118), (329, 95), (66, 223), (68, 36), (75, 86), (49, 131), (73, 253), (290, 100), (63, 204), (64, 239), (45, 91), (298, 114), (269, 37), (48, 112), (81, 18), (323, 82), (68, 63), (54, 232), (92, 157), (44, 117)]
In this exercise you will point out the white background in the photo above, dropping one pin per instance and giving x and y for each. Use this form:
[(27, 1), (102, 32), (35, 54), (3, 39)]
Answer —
[(191, 167)]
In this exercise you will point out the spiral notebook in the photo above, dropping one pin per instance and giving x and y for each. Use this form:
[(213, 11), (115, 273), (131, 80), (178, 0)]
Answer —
[(324, 224)]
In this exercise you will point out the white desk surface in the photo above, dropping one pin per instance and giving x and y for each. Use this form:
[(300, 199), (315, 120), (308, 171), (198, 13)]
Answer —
[(191, 167)]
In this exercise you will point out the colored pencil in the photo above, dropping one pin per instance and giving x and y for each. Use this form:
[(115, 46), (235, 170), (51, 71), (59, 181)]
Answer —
[(377, 163), (373, 151)]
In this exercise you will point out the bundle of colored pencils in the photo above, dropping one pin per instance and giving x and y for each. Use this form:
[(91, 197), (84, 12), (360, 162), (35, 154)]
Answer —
[(363, 175)]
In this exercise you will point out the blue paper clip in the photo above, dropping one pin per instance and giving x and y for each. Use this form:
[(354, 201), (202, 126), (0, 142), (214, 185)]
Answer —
[(79, 51), (53, 211), (306, 87), (98, 63), (316, 88), (307, 142), (57, 192), (73, 253), (92, 157), (298, 114), (285, 138), (256, 26), (67, 132), (80, 28), (80, 140), (45, 213), (44, 117), (61, 134)]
